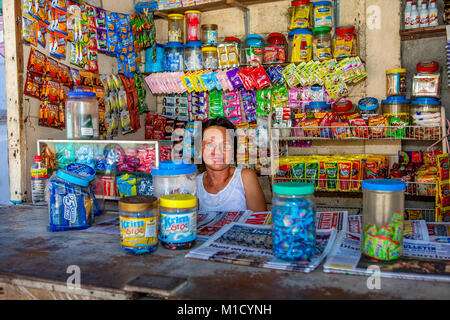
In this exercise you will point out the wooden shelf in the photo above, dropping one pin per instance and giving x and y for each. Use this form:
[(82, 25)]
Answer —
[(421, 33), (217, 5)]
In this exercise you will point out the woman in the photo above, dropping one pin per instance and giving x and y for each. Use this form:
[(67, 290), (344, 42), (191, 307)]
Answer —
[(222, 187)]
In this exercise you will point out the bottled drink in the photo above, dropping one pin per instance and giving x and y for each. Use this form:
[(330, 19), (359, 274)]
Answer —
[(407, 21), (432, 14), (423, 15), (38, 182), (415, 18)]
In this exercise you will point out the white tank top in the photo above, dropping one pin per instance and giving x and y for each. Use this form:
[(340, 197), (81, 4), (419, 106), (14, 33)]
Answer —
[(231, 198)]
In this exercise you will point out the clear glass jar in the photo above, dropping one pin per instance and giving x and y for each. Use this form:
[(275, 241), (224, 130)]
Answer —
[(171, 177), (321, 43), (293, 218), (427, 80), (193, 25), (345, 42), (300, 45), (318, 107), (175, 28), (210, 60), (193, 56), (138, 224), (276, 49), (323, 14), (178, 221), (368, 107), (209, 34), (301, 14), (396, 106), (383, 224), (425, 115), (81, 115), (396, 82), (254, 45), (174, 57)]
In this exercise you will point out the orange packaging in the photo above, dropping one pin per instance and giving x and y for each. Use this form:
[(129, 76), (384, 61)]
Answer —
[(340, 130), (321, 185), (371, 168), (344, 175), (378, 121), (37, 62), (33, 85), (312, 132), (356, 175), (52, 69)]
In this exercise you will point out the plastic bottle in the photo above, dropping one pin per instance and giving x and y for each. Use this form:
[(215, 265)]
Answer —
[(423, 15), (415, 18), (432, 14), (39, 180), (407, 21)]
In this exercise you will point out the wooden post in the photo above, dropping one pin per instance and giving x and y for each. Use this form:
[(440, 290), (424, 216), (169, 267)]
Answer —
[(12, 15)]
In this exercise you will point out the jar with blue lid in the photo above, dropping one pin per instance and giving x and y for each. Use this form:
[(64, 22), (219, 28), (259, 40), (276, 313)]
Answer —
[(396, 106), (72, 204), (323, 14), (193, 56), (368, 107), (174, 177), (293, 218), (318, 107), (254, 45), (158, 65), (300, 45), (174, 57)]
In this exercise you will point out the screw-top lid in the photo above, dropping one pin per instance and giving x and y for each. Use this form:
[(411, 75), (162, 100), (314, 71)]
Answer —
[(342, 105), (344, 30), (322, 3), (171, 168), (192, 11), (395, 99), (138, 203), (299, 31), (178, 200), (80, 94), (171, 45), (193, 44), (209, 49), (426, 100), (399, 70), (299, 2), (176, 16), (276, 38), (82, 170), (37, 158), (293, 188), (72, 178), (317, 104), (209, 26), (368, 104), (383, 185), (321, 30), (232, 39), (427, 66)]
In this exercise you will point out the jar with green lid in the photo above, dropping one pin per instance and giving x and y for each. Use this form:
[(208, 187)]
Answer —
[(175, 27), (138, 224), (178, 221), (321, 43), (293, 218)]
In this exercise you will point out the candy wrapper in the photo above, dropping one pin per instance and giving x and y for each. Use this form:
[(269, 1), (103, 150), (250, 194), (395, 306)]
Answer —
[(147, 158), (279, 94), (232, 106), (264, 102), (145, 186), (249, 103), (215, 104), (65, 154), (85, 155), (261, 78), (234, 79), (48, 158), (247, 78), (126, 185), (33, 85)]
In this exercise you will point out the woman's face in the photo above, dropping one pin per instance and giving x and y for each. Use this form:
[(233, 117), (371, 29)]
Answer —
[(217, 148)]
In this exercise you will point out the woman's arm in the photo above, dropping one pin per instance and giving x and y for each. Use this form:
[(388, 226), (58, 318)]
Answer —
[(254, 195)]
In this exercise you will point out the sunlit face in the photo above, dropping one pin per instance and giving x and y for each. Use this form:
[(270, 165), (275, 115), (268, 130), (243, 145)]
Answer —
[(217, 148)]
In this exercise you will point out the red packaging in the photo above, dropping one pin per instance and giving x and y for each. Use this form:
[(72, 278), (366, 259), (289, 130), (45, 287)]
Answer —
[(37, 62), (33, 85), (359, 127), (52, 69), (149, 132), (246, 76), (261, 78)]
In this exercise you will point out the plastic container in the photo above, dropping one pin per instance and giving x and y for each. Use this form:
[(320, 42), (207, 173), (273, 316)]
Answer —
[(175, 28), (427, 80), (174, 57), (178, 221), (301, 14), (39, 180), (233, 51), (138, 224), (71, 203), (159, 64), (342, 106), (368, 107), (396, 82), (426, 112), (193, 56), (293, 218), (209, 34), (424, 104), (396, 106), (81, 115), (300, 45), (383, 210), (275, 51), (193, 25), (345, 42), (323, 14), (172, 177), (318, 107), (254, 45), (322, 43), (209, 58)]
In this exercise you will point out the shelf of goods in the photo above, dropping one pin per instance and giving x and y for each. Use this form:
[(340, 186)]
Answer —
[(135, 158), (280, 137), (421, 33)]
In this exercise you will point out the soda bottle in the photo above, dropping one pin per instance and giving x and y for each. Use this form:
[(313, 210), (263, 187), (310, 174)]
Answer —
[(38, 182)]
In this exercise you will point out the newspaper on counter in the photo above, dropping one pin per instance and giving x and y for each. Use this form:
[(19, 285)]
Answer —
[(426, 253), (251, 245)]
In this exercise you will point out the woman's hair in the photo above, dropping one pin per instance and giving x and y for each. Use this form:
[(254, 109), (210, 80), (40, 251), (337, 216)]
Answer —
[(224, 123)]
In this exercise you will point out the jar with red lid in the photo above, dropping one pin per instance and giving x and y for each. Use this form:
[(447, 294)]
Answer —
[(345, 42), (301, 14), (342, 107), (233, 51), (193, 25), (427, 80), (276, 48)]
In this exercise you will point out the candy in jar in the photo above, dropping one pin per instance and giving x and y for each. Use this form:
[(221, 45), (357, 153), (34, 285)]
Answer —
[(192, 25)]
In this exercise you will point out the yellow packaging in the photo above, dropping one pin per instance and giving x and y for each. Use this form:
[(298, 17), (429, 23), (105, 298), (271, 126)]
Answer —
[(301, 48), (223, 56), (138, 232), (232, 54), (301, 16)]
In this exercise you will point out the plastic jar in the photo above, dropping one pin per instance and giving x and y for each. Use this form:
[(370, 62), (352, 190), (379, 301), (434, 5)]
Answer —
[(138, 224), (426, 113), (427, 80), (345, 42), (209, 34), (368, 107), (293, 218), (193, 25), (254, 45), (396, 106), (175, 28), (321, 43), (342, 106), (323, 14), (318, 107), (234, 53), (174, 57), (424, 104), (172, 177), (275, 51), (209, 58), (193, 56), (396, 82), (301, 13), (383, 210), (71, 201), (159, 64), (178, 221), (300, 45), (81, 115)]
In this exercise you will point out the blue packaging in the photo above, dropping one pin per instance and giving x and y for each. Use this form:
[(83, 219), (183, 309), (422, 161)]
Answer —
[(158, 65)]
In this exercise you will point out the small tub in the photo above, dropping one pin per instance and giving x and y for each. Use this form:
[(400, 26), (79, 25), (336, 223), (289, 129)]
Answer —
[(172, 177), (368, 107), (254, 50)]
